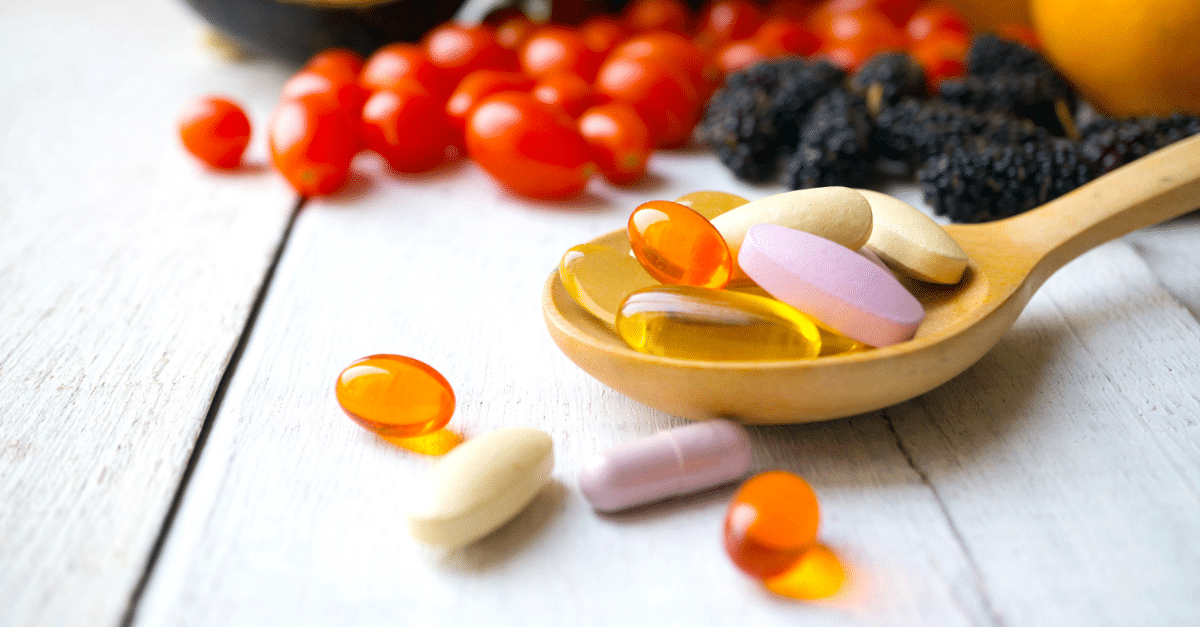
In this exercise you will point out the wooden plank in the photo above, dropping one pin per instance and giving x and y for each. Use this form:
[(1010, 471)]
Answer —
[(295, 515), (126, 275), (1170, 249), (1069, 459)]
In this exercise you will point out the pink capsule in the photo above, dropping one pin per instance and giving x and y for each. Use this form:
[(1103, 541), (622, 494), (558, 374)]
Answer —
[(668, 463)]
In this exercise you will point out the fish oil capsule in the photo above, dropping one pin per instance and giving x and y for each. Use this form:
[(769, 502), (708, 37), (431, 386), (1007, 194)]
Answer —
[(599, 278), (677, 245), (395, 396), (688, 322), (832, 342), (711, 204), (668, 463), (770, 523)]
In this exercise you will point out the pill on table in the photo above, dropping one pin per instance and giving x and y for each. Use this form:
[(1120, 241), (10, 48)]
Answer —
[(677, 245), (669, 463), (832, 283), (839, 214), (911, 243), (599, 278), (687, 322), (711, 204), (770, 523), (481, 485), (395, 396)]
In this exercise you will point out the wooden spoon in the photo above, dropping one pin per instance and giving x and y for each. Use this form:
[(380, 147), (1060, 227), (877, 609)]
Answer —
[(1010, 259)]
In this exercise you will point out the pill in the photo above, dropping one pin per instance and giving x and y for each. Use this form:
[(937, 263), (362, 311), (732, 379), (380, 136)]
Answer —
[(687, 322), (677, 245), (482, 484), (770, 523), (599, 278), (395, 396), (669, 463), (711, 204), (839, 214), (911, 243), (832, 283)]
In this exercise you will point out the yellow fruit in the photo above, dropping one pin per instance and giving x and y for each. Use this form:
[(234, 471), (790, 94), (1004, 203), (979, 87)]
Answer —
[(1129, 57)]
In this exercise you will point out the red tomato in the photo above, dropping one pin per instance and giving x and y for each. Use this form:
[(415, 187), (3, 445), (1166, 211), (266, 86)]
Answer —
[(941, 58), (312, 142), (530, 147), (1020, 33), (566, 90), (216, 131), (603, 33), (781, 36), (739, 55), (406, 125), (395, 62), (853, 37), (898, 11), (661, 94), (350, 96), (339, 64), (727, 20), (648, 15), (934, 19), (474, 88), (677, 52), (794, 9), (459, 50), (620, 141), (513, 32), (556, 48)]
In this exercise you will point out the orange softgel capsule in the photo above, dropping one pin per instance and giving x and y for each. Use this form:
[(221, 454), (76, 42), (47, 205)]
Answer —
[(771, 522), (677, 245), (395, 396)]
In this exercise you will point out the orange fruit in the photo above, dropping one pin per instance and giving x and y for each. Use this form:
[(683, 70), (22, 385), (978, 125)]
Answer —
[(1129, 57)]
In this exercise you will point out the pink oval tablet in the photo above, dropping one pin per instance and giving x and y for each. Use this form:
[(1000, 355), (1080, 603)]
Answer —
[(831, 283), (668, 463)]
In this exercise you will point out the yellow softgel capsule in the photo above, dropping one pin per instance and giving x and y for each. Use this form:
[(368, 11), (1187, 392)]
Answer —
[(599, 278), (832, 342), (711, 204), (688, 322), (395, 396)]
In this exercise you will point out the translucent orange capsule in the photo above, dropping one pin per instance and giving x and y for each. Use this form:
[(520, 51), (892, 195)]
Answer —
[(677, 245), (816, 575), (395, 396), (770, 523), (711, 204)]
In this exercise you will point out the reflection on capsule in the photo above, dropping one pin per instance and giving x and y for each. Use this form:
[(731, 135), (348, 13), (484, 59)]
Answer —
[(599, 278), (687, 322)]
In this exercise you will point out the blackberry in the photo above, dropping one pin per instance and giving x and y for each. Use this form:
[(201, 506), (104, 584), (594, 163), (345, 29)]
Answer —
[(835, 144), (738, 125), (990, 54), (979, 180), (915, 131), (801, 83), (1031, 95), (886, 78), (1111, 143)]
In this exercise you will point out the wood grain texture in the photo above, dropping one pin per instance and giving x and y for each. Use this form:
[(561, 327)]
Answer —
[(987, 502), (126, 275)]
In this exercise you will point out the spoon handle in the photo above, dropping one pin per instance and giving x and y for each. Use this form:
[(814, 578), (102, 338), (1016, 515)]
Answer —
[(1162, 185)]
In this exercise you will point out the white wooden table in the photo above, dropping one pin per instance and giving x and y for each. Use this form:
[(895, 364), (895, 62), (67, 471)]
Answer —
[(171, 452)]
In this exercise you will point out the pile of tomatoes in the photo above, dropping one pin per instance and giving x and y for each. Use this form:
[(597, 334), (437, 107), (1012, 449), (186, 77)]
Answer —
[(543, 107)]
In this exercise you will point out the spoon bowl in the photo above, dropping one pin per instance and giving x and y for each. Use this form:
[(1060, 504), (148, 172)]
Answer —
[(1010, 260)]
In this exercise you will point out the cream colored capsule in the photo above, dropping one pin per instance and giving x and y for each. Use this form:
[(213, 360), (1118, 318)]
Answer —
[(839, 214), (482, 484), (911, 243)]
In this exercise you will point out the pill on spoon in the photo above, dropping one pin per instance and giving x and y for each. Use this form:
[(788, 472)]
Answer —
[(671, 462), (599, 278), (832, 283), (482, 484), (911, 243)]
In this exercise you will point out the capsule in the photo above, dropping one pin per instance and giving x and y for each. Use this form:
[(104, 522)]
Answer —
[(711, 204), (395, 396), (679, 246), (669, 463), (686, 322), (599, 278)]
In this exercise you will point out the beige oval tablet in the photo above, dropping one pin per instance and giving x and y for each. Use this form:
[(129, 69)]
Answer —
[(911, 243), (839, 214), (482, 484), (711, 204), (599, 277)]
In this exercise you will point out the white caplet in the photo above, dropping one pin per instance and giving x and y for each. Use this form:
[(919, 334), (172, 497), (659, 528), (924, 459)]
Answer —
[(911, 243), (482, 484)]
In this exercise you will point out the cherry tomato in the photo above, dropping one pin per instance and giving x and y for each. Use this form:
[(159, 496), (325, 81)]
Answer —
[(727, 20), (935, 18), (675, 51), (661, 94), (216, 131), (513, 32), (941, 58), (567, 90), (852, 37), (459, 50), (350, 96), (781, 36), (530, 147), (556, 48), (474, 88), (603, 33), (395, 62), (1019, 33), (898, 11), (648, 15), (739, 55), (406, 125), (794, 9), (312, 142), (339, 64), (620, 141)]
